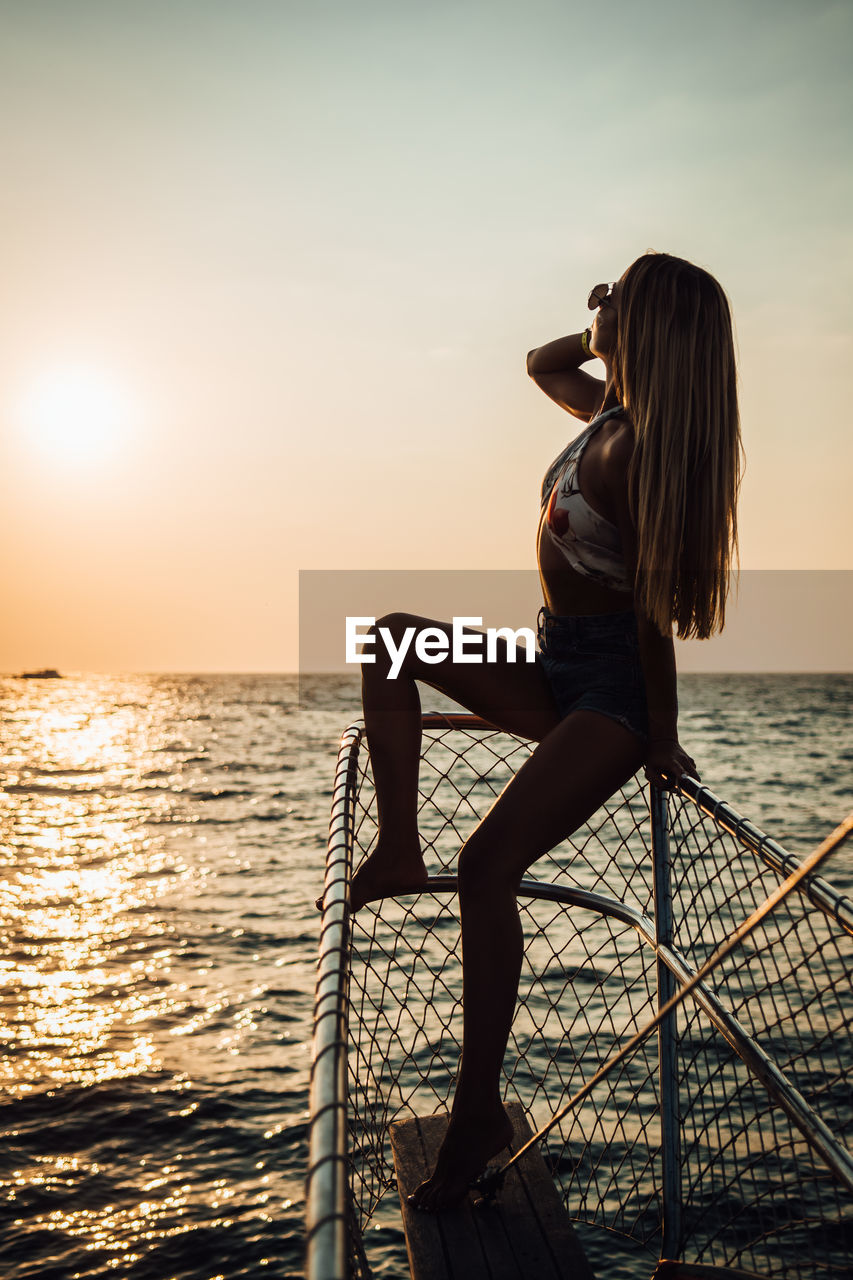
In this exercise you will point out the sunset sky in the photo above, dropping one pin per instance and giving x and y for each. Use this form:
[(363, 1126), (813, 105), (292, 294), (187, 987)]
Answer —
[(271, 270)]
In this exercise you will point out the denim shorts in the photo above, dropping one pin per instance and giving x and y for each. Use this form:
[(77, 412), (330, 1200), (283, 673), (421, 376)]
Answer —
[(592, 663)]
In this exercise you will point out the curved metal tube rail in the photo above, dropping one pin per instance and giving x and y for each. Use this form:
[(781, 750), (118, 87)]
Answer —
[(326, 1190)]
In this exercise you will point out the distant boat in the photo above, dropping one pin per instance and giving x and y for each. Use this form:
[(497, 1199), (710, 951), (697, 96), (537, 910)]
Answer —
[(49, 673)]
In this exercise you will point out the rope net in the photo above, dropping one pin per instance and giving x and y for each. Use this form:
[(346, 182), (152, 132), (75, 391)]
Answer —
[(753, 1193), (753, 1189)]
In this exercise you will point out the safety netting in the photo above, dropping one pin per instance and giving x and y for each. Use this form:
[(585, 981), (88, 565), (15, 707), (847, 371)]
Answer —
[(747, 1184), (754, 1191)]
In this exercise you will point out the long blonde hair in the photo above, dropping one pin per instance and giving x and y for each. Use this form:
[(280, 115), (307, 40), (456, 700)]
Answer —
[(674, 370)]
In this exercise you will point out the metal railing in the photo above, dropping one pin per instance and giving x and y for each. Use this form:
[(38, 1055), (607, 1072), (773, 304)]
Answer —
[(386, 998)]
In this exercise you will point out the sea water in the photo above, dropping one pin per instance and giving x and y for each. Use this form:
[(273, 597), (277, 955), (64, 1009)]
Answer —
[(162, 846)]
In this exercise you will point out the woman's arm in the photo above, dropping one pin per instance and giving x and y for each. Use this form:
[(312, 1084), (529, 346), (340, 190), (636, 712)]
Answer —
[(666, 760), (555, 368)]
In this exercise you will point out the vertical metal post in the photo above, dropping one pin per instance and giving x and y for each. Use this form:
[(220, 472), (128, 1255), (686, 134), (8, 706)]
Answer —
[(670, 1119)]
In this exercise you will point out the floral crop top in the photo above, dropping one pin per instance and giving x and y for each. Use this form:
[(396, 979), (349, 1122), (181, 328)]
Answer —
[(588, 541)]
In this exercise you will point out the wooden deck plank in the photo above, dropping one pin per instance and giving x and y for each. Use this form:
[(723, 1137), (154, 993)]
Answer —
[(525, 1234), (533, 1196), (484, 1245), (431, 1256)]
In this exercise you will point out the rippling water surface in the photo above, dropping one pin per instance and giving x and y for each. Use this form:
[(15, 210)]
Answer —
[(162, 845)]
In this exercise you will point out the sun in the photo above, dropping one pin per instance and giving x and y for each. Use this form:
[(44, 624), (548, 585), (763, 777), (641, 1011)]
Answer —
[(77, 414)]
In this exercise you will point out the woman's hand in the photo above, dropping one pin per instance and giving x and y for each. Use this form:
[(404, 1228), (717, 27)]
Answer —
[(666, 761)]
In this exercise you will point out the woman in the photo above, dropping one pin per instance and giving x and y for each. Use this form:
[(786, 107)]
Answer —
[(637, 530)]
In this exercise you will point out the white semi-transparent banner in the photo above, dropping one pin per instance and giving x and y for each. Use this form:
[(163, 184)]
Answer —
[(777, 620)]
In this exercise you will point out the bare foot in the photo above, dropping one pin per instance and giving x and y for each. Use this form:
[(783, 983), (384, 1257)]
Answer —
[(469, 1144), (385, 874)]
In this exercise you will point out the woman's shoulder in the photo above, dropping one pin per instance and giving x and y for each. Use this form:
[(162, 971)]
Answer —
[(618, 441), (616, 454)]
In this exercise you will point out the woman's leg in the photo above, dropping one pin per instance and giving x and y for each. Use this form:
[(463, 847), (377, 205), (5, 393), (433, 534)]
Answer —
[(578, 766), (513, 695)]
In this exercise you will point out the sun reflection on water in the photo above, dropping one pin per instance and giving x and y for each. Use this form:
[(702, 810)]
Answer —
[(144, 1050), (79, 875), (169, 1207)]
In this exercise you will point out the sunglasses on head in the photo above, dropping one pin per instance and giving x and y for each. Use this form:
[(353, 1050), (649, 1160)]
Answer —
[(601, 295)]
